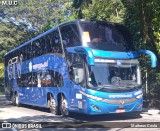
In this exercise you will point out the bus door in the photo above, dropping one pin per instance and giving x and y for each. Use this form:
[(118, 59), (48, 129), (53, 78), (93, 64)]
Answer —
[(77, 78)]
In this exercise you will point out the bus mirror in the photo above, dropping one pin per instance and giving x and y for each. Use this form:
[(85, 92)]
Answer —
[(152, 55)]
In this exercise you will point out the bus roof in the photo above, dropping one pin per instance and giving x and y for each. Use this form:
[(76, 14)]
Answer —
[(52, 29), (39, 36)]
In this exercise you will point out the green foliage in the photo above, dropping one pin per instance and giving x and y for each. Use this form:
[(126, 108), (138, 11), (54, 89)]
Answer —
[(33, 16), (10, 37), (142, 19), (1, 78), (1, 70), (108, 10), (62, 13)]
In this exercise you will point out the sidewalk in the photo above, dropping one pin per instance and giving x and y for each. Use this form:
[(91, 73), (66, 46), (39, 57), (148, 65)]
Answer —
[(4, 101), (150, 111), (4, 97)]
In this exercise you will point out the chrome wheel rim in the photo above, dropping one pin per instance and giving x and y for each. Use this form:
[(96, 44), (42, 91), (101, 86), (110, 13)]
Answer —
[(53, 105), (17, 102), (64, 107)]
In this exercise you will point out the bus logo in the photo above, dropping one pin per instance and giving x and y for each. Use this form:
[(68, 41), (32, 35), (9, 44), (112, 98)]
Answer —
[(121, 102), (119, 62)]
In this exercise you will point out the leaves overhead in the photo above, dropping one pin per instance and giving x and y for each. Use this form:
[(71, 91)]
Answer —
[(29, 18), (108, 10)]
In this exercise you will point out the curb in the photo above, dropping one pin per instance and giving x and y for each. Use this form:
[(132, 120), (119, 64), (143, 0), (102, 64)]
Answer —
[(4, 97), (154, 112)]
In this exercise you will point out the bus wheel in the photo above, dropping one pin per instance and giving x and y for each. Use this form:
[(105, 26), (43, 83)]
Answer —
[(64, 106), (52, 106), (15, 100)]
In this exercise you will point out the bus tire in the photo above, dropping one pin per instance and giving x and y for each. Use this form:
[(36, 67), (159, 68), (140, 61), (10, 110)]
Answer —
[(52, 106), (64, 106), (15, 99)]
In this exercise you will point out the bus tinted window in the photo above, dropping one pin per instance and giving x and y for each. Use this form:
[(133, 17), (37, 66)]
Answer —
[(42, 46), (54, 43), (46, 44), (106, 36), (23, 53), (46, 78), (76, 68), (70, 36)]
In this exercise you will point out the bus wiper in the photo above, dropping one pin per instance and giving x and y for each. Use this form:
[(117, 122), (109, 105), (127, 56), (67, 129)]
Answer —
[(132, 86), (102, 87)]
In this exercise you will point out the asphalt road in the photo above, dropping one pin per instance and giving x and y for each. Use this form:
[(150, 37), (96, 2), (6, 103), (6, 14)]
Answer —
[(25, 113)]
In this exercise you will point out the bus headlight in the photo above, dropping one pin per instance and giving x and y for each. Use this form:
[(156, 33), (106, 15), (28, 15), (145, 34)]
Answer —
[(139, 96)]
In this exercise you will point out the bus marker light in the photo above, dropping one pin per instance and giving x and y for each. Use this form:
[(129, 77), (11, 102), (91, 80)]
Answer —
[(72, 101), (80, 104), (78, 96)]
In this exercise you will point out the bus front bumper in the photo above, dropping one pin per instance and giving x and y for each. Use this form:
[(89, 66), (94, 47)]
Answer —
[(97, 107)]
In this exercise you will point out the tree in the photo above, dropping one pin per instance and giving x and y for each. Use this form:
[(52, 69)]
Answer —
[(142, 19), (29, 18), (107, 10)]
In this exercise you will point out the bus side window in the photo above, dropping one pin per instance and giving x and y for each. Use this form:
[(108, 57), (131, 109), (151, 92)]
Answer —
[(34, 50), (47, 79), (55, 43), (29, 80), (57, 79), (42, 45), (70, 35), (69, 66), (25, 80), (29, 51), (48, 44), (37, 47), (19, 82), (34, 79), (60, 80), (76, 69), (23, 53)]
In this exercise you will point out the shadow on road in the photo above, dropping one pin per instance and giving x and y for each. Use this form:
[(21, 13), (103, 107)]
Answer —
[(86, 118), (106, 117), (74, 120)]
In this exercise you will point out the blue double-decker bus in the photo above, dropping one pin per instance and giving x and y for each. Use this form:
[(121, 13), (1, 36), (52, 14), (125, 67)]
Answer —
[(80, 66)]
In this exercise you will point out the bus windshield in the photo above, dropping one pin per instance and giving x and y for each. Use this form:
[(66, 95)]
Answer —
[(105, 36), (114, 73)]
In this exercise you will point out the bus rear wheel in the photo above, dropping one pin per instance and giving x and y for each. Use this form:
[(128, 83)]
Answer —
[(15, 100), (52, 106), (64, 106)]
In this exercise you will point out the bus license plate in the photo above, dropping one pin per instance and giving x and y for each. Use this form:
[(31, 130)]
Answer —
[(120, 110)]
